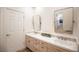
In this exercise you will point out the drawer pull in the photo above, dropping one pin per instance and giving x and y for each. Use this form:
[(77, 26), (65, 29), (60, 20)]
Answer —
[(42, 47), (29, 41)]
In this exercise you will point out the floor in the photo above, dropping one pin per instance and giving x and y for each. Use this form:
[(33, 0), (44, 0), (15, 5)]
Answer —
[(26, 50)]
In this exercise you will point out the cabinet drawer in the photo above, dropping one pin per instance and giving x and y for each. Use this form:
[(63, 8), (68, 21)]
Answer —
[(36, 45), (53, 48)]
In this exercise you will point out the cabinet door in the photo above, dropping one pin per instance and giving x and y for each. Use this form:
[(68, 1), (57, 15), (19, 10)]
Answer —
[(29, 42), (43, 46), (52, 48), (39, 45), (36, 45), (13, 29)]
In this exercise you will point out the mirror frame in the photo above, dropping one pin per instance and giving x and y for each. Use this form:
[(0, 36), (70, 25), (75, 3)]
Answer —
[(39, 23), (72, 19)]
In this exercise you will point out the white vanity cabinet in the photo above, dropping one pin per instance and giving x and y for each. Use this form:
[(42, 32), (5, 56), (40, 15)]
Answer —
[(37, 45)]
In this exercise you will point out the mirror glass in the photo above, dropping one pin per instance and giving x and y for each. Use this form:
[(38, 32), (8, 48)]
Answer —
[(64, 20), (36, 23)]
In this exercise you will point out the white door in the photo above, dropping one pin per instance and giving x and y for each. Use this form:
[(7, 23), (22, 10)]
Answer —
[(13, 30), (2, 40)]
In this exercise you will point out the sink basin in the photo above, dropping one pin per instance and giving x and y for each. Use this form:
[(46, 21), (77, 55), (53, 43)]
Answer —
[(46, 35)]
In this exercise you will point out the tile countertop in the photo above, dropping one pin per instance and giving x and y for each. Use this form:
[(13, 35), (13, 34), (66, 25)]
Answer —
[(55, 41)]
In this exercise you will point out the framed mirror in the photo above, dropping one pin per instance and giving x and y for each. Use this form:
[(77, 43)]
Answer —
[(64, 20), (37, 23)]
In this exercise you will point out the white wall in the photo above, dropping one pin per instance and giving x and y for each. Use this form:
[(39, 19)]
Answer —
[(28, 19), (20, 9), (76, 24), (47, 19)]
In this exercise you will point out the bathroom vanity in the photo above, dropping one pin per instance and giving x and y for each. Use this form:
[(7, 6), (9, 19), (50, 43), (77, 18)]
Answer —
[(62, 39), (38, 43)]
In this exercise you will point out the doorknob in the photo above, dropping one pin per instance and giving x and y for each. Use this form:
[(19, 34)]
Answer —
[(7, 34)]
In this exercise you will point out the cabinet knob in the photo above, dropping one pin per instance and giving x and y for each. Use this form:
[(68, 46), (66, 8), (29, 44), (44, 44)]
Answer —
[(7, 34), (42, 47), (29, 41)]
